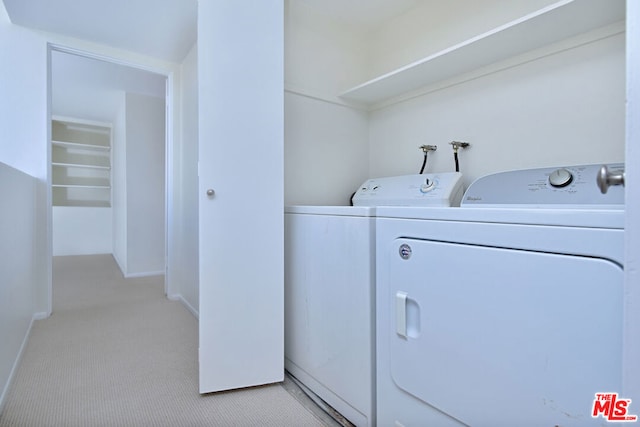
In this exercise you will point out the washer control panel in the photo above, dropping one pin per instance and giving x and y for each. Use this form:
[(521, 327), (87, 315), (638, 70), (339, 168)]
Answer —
[(441, 190), (567, 187)]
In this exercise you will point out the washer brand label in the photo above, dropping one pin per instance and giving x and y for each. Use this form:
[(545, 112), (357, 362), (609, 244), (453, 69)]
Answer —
[(611, 408), (404, 251)]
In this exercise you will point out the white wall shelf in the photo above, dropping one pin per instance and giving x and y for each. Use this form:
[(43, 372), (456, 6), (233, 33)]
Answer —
[(80, 163), (554, 23)]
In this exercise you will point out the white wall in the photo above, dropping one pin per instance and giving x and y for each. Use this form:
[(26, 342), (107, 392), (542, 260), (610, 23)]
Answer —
[(82, 230), (183, 268), (145, 185), (323, 56), (436, 25), (326, 151), (23, 143), (563, 109), (18, 272), (87, 103), (563, 104)]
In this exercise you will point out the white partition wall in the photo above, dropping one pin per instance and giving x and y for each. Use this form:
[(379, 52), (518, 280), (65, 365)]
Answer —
[(23, 140), (145, 162), (139, 185), (17, 267)]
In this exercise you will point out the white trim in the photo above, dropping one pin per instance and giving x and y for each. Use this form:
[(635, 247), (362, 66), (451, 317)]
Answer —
[(631, 338), (49, 198), (168, 177)]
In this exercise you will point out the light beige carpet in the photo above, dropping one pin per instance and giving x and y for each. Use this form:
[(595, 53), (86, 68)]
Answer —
[(116, 352)]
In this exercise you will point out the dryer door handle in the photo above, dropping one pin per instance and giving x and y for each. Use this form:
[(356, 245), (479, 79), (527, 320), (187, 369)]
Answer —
[(407, 316), (401, 314)]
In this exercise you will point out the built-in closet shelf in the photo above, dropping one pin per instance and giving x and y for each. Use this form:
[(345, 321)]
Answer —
[(85, 204), (80, 186), (80, 163), (80, 146), (554, 23)]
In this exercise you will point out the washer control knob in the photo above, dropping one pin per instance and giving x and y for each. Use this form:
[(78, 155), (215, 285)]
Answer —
[(560, 178), (428, 185)]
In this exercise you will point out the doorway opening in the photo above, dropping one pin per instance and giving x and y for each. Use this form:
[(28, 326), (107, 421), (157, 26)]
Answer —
[(109, 156)]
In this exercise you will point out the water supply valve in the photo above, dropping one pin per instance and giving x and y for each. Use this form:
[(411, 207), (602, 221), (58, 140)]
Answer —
[(425, 149), (457, 145)]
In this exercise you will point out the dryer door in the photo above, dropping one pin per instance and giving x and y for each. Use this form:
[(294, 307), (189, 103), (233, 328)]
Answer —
[(488, 334)]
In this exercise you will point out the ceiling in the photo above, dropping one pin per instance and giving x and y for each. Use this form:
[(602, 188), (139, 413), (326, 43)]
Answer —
[(93, 89), (165, 29), (68, 70), (363, 13), (162, 29)]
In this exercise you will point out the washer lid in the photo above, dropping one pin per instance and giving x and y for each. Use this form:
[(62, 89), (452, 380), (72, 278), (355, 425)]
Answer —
[(571, 187)]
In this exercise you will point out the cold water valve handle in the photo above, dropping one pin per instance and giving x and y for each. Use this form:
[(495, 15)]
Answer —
[(607, 178)]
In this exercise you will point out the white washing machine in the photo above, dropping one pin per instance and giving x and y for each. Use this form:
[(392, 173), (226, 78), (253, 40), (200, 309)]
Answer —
[(329, 305), (330, 288), (507, 311)]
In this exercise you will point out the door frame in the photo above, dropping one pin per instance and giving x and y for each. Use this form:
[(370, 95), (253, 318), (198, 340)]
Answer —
[(631, 346), (169, 153)]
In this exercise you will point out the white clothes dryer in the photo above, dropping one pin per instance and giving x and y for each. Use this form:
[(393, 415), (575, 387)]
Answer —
[(507, 311)]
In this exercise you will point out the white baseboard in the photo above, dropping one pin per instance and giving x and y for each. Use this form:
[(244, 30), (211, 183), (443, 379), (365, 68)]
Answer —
[(178, 297), (41, 315), (16, 363), (123, 270), (120, 265), (144, 274)]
